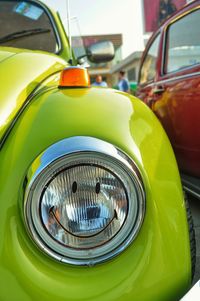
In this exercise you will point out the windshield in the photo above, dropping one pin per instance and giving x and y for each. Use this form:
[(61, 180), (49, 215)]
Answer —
[(24, 24)]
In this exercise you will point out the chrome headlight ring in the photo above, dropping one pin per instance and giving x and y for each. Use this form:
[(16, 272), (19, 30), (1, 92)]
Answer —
[(84, 201)]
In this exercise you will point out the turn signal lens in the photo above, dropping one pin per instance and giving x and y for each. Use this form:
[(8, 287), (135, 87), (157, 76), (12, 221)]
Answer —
[(75, 77)]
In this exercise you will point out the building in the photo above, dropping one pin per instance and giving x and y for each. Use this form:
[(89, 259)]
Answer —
[(130, 65)]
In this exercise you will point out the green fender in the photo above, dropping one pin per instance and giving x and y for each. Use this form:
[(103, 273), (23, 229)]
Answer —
[(21, 73), (157, 265)]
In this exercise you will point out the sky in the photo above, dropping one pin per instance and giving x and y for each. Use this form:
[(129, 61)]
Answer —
[(107, 17)]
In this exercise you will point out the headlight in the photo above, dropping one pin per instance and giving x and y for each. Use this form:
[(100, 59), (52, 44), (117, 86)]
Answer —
[(84, 201)]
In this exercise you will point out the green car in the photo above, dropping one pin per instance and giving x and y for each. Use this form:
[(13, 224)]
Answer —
[(91, 201)]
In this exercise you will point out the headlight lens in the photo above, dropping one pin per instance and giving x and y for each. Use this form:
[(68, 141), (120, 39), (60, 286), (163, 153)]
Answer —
[(84, 202), (84, 206)]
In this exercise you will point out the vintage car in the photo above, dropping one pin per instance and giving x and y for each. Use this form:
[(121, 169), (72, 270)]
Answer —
[(169, 83), (92, 206)]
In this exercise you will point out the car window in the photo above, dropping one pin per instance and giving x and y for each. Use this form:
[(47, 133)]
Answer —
[(24, 24), (183, 45), (148, 69)]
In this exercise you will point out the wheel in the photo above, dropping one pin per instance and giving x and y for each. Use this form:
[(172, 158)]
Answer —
[(191, 234)]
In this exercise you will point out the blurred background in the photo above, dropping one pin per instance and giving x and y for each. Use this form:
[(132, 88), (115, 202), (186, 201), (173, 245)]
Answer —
[(128, 24)]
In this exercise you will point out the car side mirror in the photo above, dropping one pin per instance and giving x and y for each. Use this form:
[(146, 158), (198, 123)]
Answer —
[(101, 52)]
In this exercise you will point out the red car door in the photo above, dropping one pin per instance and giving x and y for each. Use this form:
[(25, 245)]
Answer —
[(175, 94)]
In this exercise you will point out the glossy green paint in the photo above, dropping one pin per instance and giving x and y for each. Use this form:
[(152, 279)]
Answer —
[(21, 72), (5, 54), (156, 266)]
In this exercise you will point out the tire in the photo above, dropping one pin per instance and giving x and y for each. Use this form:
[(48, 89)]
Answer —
[(191, 235)]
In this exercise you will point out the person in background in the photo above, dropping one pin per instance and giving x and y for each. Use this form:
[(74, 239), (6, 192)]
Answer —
[(99, 82), (166, 9), (123, 84)]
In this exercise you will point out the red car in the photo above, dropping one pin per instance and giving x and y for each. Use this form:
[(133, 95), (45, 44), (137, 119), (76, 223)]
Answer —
[(169, 83)]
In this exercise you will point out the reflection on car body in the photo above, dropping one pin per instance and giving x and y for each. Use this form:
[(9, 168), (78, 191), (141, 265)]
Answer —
[(89, 208), (170, 86)]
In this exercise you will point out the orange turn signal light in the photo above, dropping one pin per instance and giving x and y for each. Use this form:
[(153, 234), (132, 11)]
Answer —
[(74, 77)]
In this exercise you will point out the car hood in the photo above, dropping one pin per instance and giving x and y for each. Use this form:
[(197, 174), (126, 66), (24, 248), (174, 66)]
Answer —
[(5, 54), (21, 72)]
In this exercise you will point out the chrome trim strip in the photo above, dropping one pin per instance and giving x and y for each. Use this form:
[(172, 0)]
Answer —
[(195, 194), (185, 76), (41, 170)]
